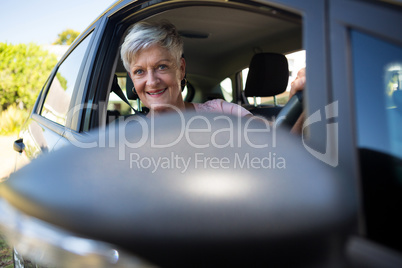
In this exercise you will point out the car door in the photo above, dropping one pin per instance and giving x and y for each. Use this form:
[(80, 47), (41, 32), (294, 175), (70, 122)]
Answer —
[(366, 53)]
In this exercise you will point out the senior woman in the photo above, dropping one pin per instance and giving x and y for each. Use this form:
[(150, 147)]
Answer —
[(152, 55)]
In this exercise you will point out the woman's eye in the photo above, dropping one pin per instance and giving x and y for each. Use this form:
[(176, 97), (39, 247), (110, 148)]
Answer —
[(138, 72), (162, 67)]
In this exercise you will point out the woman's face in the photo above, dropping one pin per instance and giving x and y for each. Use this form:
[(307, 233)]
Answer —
[(156, 76)]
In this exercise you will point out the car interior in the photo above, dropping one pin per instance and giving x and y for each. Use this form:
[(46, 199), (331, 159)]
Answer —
[(220, 43)]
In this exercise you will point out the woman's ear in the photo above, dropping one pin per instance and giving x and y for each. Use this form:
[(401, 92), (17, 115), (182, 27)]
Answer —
[(183, 67), (129, 83)]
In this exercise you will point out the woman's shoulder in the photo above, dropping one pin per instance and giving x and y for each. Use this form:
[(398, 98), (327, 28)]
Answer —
[(209, 106), (221, 106)]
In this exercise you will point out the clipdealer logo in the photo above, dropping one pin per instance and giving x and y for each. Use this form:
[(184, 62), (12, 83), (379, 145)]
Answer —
[(231, 134), (201, 160), (330, 156), (189, 127)]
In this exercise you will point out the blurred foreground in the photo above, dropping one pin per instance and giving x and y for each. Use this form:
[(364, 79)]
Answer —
[(7, 163)]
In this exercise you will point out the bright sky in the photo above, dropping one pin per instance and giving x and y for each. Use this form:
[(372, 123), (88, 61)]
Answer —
[(40, 21)]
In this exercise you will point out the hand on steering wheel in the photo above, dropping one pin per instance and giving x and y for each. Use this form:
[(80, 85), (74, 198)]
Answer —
[(291, 112), (299, 83)]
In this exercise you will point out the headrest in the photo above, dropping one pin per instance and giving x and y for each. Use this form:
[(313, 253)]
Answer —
[(268, 75), (129, 89)]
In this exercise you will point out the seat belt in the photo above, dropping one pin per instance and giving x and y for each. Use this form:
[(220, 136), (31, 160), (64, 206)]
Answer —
[(117, 90)]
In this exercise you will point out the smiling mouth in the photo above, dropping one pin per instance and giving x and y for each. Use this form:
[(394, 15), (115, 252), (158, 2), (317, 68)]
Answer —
[(157, 92)]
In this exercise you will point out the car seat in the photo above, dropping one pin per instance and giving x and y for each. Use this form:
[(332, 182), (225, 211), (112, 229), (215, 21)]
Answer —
[(267, 77)]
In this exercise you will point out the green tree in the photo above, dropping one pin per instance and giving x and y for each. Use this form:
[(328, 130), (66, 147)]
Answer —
[(66, 37), (24, 69)]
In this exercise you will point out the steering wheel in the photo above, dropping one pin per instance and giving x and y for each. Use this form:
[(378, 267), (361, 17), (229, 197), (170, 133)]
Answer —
[(289, 114)]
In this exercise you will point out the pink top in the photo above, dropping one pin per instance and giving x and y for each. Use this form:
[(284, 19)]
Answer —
[(221, 106)]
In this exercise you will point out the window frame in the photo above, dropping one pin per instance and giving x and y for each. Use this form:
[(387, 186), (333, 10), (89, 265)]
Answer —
[(88, 87)]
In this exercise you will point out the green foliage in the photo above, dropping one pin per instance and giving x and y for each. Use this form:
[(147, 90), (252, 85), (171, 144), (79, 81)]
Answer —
[(66, 37), (24, 69), (6, 255), (12, 119)]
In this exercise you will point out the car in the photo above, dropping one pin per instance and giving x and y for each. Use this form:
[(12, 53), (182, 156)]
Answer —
[(327, 197)]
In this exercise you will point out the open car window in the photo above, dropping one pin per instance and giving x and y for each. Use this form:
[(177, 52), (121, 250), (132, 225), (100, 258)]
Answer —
[(214, 54)]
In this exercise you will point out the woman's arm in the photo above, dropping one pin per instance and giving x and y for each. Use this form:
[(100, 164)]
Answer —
[(298, 85), (299, 82)]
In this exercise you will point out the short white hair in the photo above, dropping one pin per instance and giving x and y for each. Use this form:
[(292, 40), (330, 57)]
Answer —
[(145, 34)]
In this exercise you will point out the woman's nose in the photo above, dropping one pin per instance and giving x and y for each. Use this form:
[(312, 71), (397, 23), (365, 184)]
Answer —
[(152, 78)]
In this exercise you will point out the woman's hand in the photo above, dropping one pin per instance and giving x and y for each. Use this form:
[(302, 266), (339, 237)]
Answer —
[(299, 82), (298, 85)]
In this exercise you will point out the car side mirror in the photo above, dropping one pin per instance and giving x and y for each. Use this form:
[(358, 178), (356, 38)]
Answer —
[(193, 187)]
